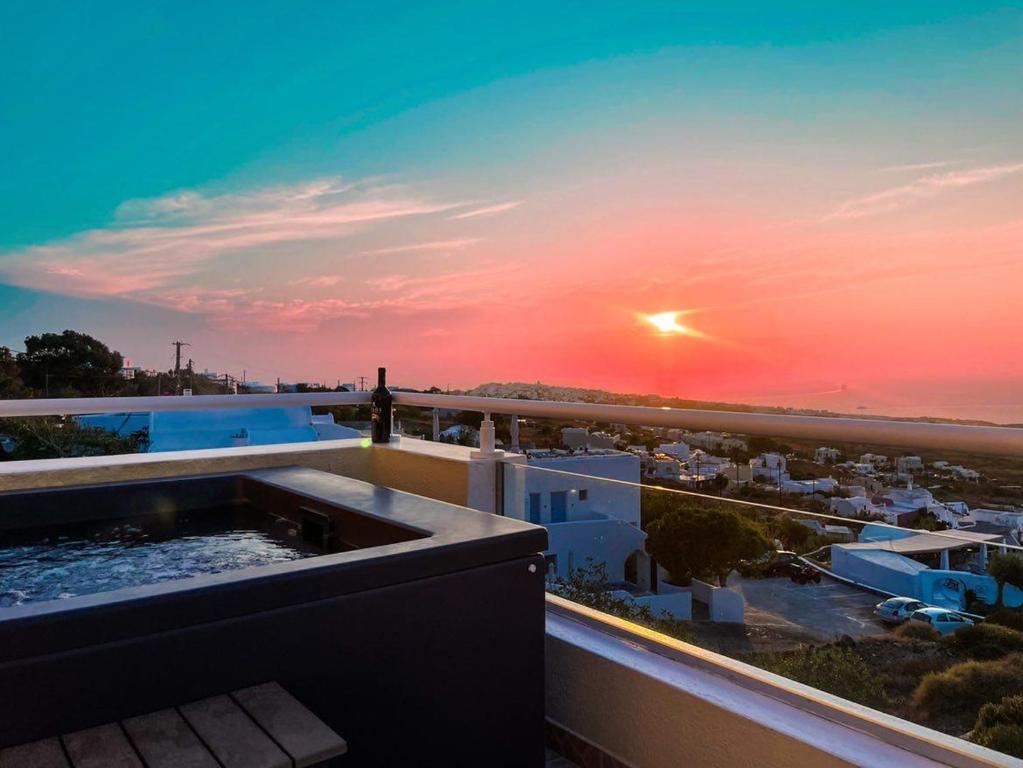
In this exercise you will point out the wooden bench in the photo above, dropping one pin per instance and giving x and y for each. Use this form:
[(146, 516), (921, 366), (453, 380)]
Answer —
[(259, 727)]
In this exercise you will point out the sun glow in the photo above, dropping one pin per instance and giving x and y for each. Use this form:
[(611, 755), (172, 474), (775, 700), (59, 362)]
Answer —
[(667, 322)]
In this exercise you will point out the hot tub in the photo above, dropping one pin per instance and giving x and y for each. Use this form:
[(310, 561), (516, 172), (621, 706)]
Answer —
[(413, 627)]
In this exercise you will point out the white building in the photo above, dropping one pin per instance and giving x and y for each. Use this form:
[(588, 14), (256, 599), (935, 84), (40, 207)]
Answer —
[(587, 518), (876, 460), (678, 451), (806, 487), (825, 455), (770, 467), (856, 506), (714, 441), (899, 502), (1010, 520), (909, 464), (575, 437), (701, 463), (963, 473), (665, 469)]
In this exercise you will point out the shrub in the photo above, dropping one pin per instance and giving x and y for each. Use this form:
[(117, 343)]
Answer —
[(1007, 617), (831, 668), (985, 641), (917, 630), (962, 689), (589, 585), (1000, 726)]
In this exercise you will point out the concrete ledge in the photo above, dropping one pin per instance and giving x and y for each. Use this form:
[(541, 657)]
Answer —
[(433, 470), (649, 700)]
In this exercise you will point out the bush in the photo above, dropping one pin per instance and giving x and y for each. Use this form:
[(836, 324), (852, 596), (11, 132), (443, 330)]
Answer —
[(1000, 726), (985, 641), (833, 669), (962, 689), (1007, 617), (917, 630), (589, 585)]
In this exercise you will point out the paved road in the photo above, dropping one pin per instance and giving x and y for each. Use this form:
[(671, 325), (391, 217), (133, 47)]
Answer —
[(826, 610)]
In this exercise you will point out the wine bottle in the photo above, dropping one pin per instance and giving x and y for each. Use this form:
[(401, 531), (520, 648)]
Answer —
[(381, 404)]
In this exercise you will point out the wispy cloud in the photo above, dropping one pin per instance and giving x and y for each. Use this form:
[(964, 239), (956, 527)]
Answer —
[(318, 281), (434, 245), (488, 210), (918, 166), (156, 243), (925, 188)]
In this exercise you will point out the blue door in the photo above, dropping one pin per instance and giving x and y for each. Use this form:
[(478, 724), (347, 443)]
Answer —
[(534, 508), (559, 506)]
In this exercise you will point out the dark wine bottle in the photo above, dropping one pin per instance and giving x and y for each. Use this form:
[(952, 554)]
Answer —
[(381, 404)]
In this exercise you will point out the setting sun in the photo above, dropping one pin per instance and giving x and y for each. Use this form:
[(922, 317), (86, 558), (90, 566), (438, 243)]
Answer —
[(667, 322)]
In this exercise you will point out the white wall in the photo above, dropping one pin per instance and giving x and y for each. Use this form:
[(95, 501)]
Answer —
[(602, 541), (575, 474)]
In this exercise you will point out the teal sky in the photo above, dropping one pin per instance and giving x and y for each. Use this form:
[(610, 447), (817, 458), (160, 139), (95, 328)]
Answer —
[(542, 123)]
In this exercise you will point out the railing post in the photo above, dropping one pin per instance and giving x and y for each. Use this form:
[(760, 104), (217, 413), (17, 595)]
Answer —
[(436, 425), (514, 433), (488, 440)]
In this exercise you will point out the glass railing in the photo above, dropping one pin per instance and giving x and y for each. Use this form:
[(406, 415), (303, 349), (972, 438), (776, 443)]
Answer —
[(894, 600)]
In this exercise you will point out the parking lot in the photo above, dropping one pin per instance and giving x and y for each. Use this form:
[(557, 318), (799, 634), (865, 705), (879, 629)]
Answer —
[(824, 611)]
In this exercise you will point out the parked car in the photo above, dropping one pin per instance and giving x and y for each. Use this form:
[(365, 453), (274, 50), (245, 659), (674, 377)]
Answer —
[(802, 573), (772, 564), (896, 610), (945, 622), (780, 563)]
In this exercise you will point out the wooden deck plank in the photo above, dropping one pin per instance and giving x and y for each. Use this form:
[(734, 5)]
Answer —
[(232, 736), (104, 746), (164, 740), (302, 734), (37, 754)]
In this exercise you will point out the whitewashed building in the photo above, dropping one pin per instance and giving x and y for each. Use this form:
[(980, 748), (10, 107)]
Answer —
[(825, 455)]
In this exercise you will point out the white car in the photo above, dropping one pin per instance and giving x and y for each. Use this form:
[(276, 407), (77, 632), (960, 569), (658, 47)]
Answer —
[(896, 610), (945, 622)]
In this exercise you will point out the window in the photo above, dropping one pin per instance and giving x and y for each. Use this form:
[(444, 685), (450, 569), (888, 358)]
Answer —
[(583, 494)]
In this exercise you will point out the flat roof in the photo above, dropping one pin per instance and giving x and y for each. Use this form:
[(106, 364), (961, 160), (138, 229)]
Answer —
[(923, 543)]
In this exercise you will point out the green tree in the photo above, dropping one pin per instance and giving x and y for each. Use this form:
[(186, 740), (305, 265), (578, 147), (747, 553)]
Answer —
[(791, 533), (693, 542), (51, 437), (70, 363), (10, 375), (1006, 569)]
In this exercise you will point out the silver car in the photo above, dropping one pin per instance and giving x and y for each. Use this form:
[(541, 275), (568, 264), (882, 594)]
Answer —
[(896, 610), (944, 622)]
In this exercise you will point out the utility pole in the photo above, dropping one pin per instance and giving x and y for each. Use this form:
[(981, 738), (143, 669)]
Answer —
[(362, 383), (177, 355)]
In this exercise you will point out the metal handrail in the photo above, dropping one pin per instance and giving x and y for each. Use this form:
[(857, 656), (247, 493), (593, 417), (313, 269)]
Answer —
[(998, 441)]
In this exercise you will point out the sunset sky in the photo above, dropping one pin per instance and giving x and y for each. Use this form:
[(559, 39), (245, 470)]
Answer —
[(829, 193)]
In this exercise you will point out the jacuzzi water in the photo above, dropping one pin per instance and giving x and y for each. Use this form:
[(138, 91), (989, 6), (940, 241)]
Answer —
[(49, 564)]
